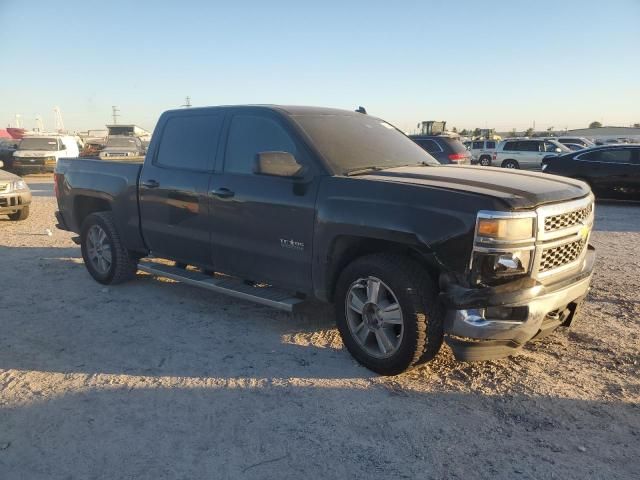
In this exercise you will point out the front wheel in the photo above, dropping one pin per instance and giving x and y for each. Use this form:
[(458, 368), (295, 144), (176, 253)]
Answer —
[(20, 215), (105, 257), (387, 315), (485, 161)]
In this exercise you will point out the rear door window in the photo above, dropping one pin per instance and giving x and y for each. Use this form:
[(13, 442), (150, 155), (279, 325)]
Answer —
[(511, 146), (621, 155), (491, 145), (550, 147), (250, 135), (189, 142), (429, 145), (534, 146)]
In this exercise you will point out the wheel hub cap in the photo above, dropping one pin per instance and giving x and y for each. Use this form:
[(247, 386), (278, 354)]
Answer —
[(371, 315), (374, 317)]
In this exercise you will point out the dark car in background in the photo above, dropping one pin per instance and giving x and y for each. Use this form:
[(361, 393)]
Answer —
[(612, 171), (445, 149), (7, 147)]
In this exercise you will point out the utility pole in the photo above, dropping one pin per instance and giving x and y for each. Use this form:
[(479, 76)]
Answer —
[(115, 112), (187, 102)]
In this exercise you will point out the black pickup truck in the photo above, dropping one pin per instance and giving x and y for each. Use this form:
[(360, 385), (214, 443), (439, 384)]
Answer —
[(281, 204)]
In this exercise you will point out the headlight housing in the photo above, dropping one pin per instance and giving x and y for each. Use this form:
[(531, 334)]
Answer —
[(495, 229), (19, 185), (504, 245)]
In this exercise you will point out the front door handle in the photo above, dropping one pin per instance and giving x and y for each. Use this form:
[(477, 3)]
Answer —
[(222, 192), (150, 184)]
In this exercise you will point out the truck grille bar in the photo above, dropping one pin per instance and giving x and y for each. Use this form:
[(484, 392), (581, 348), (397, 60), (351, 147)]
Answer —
[(566, 220), (562, 255)]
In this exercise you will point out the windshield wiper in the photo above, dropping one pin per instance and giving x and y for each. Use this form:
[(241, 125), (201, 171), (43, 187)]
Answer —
[(375, 168), (364, 170)]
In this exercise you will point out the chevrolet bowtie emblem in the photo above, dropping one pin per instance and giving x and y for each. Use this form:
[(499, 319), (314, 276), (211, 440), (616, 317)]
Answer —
[(584, 232)]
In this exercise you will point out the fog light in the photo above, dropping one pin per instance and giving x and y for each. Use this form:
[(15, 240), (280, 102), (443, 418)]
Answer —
[(499, 313)]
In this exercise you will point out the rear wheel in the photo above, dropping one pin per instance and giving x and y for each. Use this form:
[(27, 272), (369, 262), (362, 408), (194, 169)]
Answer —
[(20, 215), (105, 257), (510, 164), (387, 315)]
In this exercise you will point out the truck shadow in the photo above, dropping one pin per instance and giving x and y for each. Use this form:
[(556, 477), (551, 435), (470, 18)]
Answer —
[(227, 428), (56, 318)]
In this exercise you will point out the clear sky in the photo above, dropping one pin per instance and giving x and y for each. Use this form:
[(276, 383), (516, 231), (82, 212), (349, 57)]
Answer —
[(500, 64)]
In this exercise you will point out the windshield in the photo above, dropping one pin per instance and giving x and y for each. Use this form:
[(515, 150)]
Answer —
[(352, 142), (41, 143), (121, 142)]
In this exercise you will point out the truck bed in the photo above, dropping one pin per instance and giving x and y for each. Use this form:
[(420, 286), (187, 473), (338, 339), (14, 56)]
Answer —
[(83, 182)]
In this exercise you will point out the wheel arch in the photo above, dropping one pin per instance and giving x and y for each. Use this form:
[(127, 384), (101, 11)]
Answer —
[(504, 162), (347, 248), (85, 205)]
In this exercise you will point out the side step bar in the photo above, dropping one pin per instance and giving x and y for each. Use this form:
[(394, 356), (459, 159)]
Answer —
[(269, 296)]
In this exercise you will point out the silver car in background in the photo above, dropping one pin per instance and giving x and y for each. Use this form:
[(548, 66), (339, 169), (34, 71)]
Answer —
[(526, 153)]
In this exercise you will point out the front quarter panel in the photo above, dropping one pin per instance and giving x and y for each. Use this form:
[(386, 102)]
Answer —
[(438, 223)]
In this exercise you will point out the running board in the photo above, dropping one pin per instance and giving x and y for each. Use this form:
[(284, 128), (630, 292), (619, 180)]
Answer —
[(269, 296)]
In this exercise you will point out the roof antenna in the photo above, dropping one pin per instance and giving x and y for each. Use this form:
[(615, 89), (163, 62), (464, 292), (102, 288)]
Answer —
[(361, 109)]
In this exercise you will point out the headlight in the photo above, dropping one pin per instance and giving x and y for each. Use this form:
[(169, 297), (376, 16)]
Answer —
[(507, 229), (19, 185), (504, 247), (490, 267)]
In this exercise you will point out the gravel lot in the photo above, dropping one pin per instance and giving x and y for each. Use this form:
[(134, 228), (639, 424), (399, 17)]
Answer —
[(154, 379)]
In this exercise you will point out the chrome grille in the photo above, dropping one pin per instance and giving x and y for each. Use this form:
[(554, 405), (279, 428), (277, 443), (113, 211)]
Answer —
[(561, 255), (566, 220), (4, 187)]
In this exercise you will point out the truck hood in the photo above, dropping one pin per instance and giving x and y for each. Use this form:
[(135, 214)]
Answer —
[(35, 153), (515, 188), (7, 176)]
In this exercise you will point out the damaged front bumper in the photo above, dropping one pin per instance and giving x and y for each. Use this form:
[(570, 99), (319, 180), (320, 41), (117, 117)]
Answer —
[(494, 322)]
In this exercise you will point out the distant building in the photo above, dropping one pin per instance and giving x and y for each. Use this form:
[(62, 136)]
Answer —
[(606, 133)]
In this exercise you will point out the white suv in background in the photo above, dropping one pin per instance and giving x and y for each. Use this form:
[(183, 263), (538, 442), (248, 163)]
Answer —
[(526, 153), (482, 151)]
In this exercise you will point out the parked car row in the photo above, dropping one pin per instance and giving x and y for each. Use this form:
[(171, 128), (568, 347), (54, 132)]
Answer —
[(612, 171)]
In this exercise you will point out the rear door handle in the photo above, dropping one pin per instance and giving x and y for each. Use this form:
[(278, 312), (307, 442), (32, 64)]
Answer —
[(150, 184), (222, 192)]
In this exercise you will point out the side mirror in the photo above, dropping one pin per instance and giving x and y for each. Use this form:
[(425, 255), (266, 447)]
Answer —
[(278, 164)]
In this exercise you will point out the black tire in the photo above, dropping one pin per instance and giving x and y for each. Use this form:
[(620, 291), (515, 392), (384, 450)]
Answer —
[(511, 164), (20, 215), (485, 161), (124, 264), (416, 295)]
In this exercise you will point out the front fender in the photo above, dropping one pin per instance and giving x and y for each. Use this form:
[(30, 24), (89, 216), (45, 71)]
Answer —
[(438, 223)]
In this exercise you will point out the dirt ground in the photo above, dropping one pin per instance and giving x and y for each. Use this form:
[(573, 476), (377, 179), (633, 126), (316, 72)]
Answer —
[(154, 379)]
